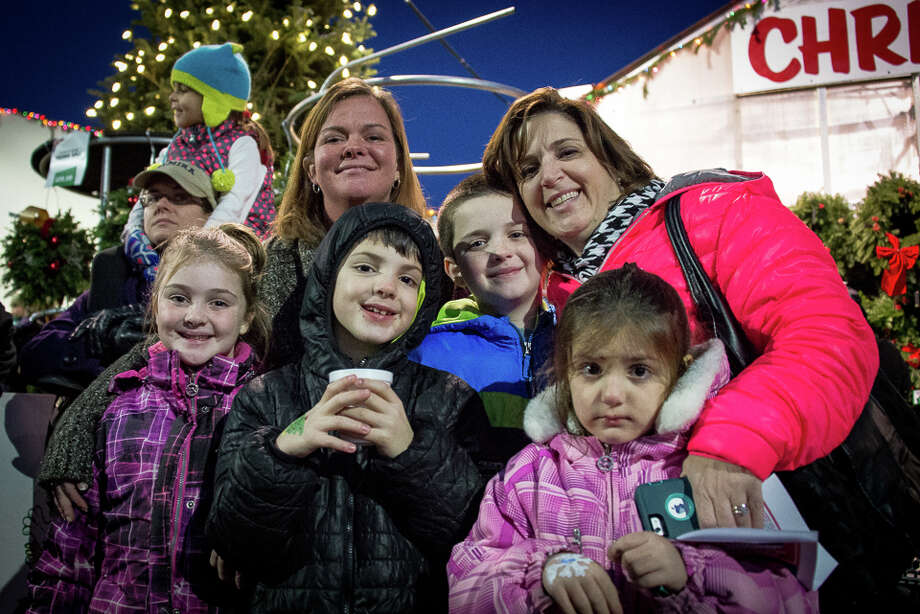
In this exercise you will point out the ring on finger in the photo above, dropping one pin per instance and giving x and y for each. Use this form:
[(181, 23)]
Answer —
[(740, 510)]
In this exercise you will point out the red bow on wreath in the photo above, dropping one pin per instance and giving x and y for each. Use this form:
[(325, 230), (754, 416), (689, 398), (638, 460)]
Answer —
[(894, 279), (913, 355)]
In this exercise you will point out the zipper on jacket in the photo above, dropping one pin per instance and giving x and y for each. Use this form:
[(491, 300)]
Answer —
[(576, 540), (181, 472), (527, 347), (611, 508)]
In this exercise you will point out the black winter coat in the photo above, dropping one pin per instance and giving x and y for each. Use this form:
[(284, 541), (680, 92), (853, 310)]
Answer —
[(337, 532)]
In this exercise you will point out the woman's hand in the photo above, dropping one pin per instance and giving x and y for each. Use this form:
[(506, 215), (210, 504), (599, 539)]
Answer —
[(725, 495), (649, 561), (66, 495), (383, 411), (579, 585), (310, 432)]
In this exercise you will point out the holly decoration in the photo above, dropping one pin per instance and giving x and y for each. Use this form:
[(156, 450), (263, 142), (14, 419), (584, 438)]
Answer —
[(46, 259), (876, 248), (829, 216), (891, 205)]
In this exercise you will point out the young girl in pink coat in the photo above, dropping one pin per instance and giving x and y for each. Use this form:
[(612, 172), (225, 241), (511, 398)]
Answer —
[(559, 526), (141, 546)]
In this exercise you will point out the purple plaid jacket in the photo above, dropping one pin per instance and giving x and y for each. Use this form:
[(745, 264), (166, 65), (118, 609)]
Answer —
[(532, 509), (141, 547)]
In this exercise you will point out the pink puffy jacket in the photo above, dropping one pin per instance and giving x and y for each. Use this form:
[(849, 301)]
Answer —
[(800, 398)]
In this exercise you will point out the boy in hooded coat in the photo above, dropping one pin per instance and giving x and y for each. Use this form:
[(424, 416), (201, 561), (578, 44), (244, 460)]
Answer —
[(339, 532)]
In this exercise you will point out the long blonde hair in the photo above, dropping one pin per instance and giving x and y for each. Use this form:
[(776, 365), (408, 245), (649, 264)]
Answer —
[(302, 214)]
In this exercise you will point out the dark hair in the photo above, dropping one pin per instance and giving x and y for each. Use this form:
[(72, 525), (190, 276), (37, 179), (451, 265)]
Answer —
[(264, 142), (508, 145), (233, 246), (397, 238), (471, 187), (301, 214), (613, 302)]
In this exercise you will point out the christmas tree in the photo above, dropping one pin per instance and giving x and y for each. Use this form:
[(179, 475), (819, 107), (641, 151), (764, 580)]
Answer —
[(290, 47)]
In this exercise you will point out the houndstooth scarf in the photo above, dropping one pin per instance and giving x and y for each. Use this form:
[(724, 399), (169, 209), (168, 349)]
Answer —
[(619, 217)]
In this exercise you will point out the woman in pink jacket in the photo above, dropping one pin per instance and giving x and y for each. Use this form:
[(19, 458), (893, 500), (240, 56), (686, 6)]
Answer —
[(559, 524), (600, 205)]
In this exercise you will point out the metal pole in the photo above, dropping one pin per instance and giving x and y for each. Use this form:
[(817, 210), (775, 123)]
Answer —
[(450, 49), (104, 181), (915, 85), (825, 146)]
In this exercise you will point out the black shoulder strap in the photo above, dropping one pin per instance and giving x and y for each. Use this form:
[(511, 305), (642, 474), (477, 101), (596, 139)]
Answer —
[(710, 304)]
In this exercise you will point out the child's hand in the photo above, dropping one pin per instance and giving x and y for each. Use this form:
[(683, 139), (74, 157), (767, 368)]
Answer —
[(66, 496), (384, 412), (578, 584), (309, 432), (225, 571), (650, 560)]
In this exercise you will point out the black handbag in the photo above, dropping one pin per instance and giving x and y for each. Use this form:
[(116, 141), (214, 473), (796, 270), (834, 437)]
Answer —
[(864, 497)]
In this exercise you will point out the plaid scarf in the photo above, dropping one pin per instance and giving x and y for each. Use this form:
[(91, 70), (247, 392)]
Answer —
[(620, 216)]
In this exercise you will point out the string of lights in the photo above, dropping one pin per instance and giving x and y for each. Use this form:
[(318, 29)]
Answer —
[(51, 123), (738, 16)]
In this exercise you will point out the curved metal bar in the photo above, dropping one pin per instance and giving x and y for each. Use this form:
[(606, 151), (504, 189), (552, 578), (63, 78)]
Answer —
[(440, 80), (421, 40), (447, 169), (443, 80)]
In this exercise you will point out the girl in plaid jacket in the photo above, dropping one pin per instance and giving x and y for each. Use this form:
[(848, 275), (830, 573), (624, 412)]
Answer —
[(141, 545)]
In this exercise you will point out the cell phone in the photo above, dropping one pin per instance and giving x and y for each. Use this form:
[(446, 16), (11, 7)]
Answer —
[(666, 507)]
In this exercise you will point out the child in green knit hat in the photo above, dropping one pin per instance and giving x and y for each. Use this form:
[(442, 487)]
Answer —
[(211, 88)]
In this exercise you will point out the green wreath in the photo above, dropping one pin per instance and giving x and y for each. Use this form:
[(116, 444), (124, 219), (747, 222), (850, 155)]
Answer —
[(47, 259)]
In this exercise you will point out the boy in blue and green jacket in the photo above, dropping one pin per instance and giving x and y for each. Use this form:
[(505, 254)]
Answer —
[(499, 338)]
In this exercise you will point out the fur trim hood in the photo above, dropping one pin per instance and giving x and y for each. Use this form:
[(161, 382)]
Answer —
[(708, 372)]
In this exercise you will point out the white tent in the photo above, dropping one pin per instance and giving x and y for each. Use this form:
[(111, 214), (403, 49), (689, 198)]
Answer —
[(791, 95)]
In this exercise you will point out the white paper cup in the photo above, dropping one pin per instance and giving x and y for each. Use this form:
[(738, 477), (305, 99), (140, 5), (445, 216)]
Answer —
[(375, 374)]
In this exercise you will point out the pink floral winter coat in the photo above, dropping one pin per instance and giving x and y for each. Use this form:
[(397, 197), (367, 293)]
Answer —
[(798, 400), (532, 509)]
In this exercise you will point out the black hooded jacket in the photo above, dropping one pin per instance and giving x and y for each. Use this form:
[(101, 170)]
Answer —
[(337, 532)]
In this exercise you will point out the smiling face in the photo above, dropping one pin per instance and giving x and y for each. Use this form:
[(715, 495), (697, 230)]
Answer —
[(354, 159), (162, 217), (375, 298), (186, 106), (495, 257), (201, 312), (564, 186), (617, 387)]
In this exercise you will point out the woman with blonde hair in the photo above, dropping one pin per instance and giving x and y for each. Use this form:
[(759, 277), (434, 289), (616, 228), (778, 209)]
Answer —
[(353, 150)]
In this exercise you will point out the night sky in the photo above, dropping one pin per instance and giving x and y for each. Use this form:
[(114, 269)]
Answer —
[(52, 53)]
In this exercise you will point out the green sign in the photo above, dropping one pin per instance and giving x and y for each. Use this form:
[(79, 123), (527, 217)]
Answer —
[(65, 177)]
